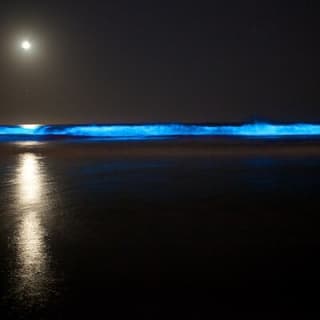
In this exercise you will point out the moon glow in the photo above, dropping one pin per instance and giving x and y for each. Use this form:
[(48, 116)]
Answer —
[(30, 126), (26, 45)]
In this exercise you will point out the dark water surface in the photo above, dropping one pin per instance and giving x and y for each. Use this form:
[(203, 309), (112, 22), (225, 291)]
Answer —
[(85, 229)]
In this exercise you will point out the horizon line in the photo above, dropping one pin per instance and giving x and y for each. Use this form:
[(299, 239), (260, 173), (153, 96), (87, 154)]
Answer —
[(255, 129)]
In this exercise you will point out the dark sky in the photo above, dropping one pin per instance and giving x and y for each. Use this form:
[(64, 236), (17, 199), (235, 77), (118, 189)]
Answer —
[(160, 61)]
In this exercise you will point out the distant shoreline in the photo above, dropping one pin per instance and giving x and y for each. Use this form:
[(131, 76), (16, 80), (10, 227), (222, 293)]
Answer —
[(162, 131)]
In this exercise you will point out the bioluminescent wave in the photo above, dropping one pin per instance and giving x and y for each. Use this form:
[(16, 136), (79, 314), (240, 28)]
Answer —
[(164, 130)]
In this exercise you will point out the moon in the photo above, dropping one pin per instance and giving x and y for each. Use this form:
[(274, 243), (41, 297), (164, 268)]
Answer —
[(26, 45)]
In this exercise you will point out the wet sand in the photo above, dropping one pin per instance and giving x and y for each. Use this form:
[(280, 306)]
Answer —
[(184, 147), (158, 228)]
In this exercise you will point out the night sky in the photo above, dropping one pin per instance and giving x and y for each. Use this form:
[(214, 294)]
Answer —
[(159, 61)]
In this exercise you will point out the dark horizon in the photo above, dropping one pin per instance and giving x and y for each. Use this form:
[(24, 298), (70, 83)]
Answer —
[(143, 62)]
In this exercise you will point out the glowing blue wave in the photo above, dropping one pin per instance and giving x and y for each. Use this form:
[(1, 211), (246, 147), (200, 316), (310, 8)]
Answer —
[(165, 130)]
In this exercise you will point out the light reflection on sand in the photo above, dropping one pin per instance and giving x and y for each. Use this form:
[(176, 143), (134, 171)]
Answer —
[(28, 143), (32, 275)]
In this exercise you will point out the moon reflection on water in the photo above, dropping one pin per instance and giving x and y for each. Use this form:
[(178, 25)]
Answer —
[(32, 277)]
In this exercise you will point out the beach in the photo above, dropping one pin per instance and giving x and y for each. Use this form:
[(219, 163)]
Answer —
[(158, 228)]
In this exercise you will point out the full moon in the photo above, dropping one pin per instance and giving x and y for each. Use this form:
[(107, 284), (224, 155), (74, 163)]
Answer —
[(26, 45)]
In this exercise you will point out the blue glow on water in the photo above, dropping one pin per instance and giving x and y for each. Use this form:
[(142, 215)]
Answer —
[(16, 130), (164, 130)]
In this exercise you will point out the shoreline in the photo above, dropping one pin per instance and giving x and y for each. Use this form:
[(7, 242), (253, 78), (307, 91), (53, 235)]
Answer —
[(182, 147)]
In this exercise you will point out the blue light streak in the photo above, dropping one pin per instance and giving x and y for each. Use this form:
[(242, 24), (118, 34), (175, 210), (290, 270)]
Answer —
[(16, 130), (164, 130)]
